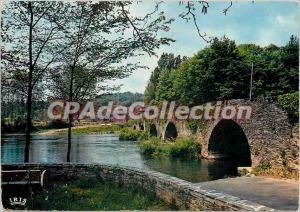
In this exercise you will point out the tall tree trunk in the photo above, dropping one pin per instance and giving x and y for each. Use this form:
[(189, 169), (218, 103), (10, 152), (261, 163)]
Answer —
[(29, 90), (28, 125), (70, 116)]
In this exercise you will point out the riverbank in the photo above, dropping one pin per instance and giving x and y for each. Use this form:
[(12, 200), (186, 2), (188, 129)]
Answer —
[(87, 129)]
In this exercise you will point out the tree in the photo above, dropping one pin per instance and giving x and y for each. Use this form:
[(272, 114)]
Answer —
[(214, 73), (97, 42), (164, 90), (290, 59), (30, 35), (222, 71), (165, 62), (275, 68)]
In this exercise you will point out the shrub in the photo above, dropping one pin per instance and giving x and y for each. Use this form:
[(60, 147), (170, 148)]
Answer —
[(182, 147), (18, 125), (262, 167), (97, 129), (130, 123), (150, 146), (57, 124), (266, 169), (290, 103), (128, 134)]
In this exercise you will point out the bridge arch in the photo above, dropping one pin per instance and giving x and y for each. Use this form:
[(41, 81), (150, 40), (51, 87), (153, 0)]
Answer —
[(153, 130), (170, 131), (228, 140), (267, 131)]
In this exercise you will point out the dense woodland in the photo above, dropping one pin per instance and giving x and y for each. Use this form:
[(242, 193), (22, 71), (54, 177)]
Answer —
[(120, 98), (222, 71), (14, 111)]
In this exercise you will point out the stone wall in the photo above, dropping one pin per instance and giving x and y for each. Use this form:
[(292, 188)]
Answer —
[(269, 132), (172, 190)]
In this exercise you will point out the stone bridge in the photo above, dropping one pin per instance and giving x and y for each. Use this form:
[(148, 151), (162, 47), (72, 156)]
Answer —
[(265, 137)]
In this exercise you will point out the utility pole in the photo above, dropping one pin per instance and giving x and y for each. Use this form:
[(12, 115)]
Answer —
[(251, 81)]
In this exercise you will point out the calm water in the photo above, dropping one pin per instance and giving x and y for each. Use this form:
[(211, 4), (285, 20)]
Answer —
[(108, 149)]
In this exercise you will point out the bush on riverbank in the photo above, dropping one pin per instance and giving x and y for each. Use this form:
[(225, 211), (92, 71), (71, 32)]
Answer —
[(128, 134), (266, 169), (182, 147), (89, 194)]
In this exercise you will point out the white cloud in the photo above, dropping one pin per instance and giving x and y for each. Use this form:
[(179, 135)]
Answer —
[(287, 21)]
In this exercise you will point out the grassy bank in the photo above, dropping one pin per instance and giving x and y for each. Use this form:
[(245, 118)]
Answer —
[(97, 129), (128, 134), (89, 129), (89, 194), (181, 147)]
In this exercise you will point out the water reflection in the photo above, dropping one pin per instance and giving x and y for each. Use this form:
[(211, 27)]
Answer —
[(108, 149), (192, 170)]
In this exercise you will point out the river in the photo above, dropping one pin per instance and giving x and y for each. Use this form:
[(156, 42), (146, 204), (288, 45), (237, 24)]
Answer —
[(106, 148)]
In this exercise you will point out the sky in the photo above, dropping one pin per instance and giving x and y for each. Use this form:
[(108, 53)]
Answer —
[(260, 23)]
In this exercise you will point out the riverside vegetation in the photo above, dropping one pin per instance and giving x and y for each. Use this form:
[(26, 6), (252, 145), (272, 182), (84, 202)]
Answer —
[(59, 126), (181, 147), (90, 194), (153, 146), (128, 134)]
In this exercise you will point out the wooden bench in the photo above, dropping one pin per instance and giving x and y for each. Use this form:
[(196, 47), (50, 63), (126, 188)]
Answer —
[(24, 177)]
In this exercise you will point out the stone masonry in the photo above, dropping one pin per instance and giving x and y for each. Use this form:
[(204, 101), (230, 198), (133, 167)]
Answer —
[(268, 132), (185, 195)]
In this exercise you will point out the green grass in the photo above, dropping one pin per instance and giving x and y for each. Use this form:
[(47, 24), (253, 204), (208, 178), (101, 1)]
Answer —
[(96, 129), (182, 147), (92, 129), (128, 134), (89, 194)]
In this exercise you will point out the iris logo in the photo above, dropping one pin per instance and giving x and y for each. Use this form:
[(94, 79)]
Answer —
[(17, 201)]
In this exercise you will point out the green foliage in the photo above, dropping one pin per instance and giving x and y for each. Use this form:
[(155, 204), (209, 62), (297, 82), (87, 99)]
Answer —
[(96, 129), (262, 167), (131, 122), (194, 125), (166, 63), (222, 71), (290, 103), (182, 147), (185, 147), (150, 146), (89, 194), (164, 89), (125, 98), (128, 134), (90, 129)]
